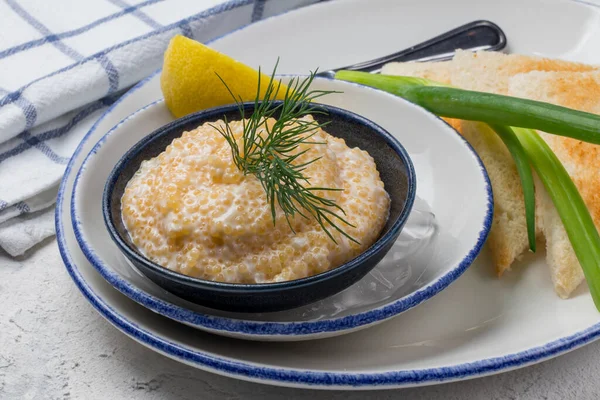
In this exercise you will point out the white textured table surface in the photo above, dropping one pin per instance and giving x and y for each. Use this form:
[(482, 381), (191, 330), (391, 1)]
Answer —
[(54, 345)]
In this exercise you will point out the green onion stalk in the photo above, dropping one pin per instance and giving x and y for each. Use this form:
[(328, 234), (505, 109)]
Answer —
[(519, 154), (513, 119), (571, 208)]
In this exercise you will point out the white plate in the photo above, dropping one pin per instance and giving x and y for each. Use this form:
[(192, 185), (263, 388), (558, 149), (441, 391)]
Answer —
[(479, 325), (429, 255)]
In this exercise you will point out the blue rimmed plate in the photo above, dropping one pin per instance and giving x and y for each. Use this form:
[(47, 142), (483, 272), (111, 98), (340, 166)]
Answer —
[(478, 326), (429, 255)]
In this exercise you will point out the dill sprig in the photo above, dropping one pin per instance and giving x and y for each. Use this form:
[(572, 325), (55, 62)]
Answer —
[(270, 152)]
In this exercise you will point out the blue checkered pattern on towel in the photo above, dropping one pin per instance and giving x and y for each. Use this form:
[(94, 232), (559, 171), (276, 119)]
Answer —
[(65, 61)]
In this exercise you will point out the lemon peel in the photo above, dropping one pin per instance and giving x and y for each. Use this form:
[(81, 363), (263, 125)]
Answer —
[(189, 80)]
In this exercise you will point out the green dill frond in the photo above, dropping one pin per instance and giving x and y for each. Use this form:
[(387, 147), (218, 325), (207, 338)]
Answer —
[(273, 156)]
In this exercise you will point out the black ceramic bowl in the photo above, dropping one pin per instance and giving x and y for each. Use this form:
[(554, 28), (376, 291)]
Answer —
[(396, 171)]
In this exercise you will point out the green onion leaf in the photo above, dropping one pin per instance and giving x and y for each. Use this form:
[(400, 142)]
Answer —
[(573, 212), (522, 162), (486, 107)]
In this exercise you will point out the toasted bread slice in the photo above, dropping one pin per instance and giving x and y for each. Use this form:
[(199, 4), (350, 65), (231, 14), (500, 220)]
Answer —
[(438, 71), (482, 71), (508, 236), (487, 71), (491, 72), (580, 91)]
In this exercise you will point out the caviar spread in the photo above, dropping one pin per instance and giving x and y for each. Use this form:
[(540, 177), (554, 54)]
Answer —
[(191, 210)]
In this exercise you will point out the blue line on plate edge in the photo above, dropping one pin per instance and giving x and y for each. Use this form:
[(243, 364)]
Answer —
[(282, 375), (279, 328), (217, 363), (465, 370)]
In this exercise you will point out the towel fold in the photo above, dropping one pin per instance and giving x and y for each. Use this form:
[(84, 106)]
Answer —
[(23, 232), (63, 64)]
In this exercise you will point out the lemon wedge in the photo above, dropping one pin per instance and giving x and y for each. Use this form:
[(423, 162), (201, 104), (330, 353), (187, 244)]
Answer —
[(189, 80)]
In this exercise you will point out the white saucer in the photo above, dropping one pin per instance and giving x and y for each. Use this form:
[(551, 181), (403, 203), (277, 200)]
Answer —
[(436, 247), (479, 325)]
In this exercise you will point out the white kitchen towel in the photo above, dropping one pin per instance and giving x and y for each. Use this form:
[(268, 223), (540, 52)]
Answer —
[(62, 63)]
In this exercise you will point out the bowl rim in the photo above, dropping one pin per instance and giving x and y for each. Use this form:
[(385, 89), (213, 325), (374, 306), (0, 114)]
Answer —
[(260, 288)]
